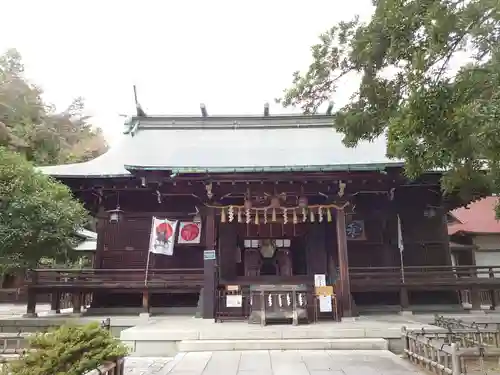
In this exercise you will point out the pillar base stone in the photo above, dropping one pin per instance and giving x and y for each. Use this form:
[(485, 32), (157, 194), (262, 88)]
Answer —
[(144, 316), (477, 312), (406, 313), (349, 319)]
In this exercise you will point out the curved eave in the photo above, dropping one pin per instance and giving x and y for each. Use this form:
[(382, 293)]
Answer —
[(89, 176), (296, 168)]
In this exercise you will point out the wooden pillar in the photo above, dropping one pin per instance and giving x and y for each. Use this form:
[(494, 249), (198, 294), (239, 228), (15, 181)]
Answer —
[(145, 301), (55, 302), (345, 294), (32, 279), (493, 294), (208, 307), (404, 299), (444, 236), (77, 302), (31, 306)]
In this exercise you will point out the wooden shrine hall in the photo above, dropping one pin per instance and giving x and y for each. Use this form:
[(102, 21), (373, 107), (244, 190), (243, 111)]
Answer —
[(264, 217)]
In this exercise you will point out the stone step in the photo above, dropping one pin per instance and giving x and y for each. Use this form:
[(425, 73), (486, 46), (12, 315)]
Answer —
[(286, 344)]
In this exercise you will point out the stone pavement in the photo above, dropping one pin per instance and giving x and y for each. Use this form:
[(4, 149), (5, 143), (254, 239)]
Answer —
[(274, 362)]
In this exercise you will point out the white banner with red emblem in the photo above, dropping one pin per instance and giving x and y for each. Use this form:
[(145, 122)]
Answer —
[(189, 232), (162, 236)]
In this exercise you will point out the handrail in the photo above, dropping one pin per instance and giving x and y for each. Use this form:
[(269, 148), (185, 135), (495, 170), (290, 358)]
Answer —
[(115, 270), (96, 278)]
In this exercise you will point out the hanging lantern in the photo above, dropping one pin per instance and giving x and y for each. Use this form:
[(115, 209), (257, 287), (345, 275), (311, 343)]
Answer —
[(265, 215), (115, 215), (311, 216), (328, 215), (304, 214), (285, 216), (256, 217), (295, 218), (222, 215), (240, 215), (303, 201)]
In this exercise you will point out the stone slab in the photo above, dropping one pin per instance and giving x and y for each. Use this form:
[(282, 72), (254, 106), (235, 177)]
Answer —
[(282, 344), (274, 362)]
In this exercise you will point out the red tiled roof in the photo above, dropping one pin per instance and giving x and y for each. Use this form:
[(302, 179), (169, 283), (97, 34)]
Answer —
[(477, 217)]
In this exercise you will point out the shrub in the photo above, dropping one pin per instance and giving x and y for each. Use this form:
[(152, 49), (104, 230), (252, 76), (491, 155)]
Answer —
[(68, 350)]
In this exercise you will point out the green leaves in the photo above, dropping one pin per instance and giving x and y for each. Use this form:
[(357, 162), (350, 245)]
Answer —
[(38, 215), (30, 126), (69, 350), (429, 79)]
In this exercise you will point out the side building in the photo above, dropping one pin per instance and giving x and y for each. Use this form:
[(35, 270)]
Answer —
[(279, 199)]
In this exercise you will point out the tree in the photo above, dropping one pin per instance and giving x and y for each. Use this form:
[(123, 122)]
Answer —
[(429, 80), (32, 127), (38, 216), (69, 350)]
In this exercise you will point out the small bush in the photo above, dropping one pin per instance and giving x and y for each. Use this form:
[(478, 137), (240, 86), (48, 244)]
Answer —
[(68, 350)]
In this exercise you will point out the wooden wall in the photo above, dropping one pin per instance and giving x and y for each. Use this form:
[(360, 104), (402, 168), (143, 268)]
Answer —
[(125, 244)]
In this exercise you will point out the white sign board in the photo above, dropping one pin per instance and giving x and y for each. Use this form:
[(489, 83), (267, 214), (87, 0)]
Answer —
[(319, 280), (234, 300), (209, 255), (325, 303)]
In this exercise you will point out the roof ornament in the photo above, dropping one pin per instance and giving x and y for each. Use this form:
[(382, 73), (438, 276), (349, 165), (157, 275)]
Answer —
[(140, 111), (203, 109), (266, 109), (329, 109)]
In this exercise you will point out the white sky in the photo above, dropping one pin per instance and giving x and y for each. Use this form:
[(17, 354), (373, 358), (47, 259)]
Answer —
[(231, 55)]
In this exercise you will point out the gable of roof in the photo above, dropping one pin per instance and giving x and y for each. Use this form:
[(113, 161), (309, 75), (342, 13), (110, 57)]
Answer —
[(476, 218), (184, 144)]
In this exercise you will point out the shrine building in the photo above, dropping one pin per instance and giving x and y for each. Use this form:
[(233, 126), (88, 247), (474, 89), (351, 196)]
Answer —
[(260, 210)]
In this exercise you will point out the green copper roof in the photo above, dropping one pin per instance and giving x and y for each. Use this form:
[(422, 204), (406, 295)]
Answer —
[(231, 144)]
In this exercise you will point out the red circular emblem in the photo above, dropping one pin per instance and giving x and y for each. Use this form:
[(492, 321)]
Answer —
[(190, 232), (165, 229)]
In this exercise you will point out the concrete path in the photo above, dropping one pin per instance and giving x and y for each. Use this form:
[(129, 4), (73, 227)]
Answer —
[(293, 362)]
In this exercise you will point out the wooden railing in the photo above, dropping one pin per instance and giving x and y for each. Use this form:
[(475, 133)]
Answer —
[(94, 279), (446, 277), (453, 351), (110, 368)]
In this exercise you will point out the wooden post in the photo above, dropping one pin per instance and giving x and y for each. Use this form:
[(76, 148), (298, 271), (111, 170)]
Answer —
[(145, 301), (345, 296), (77, 302), (55, 302), (475, 298), (403, 298), (31, 307), (32, 279), (208, 308), (493, 293)]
